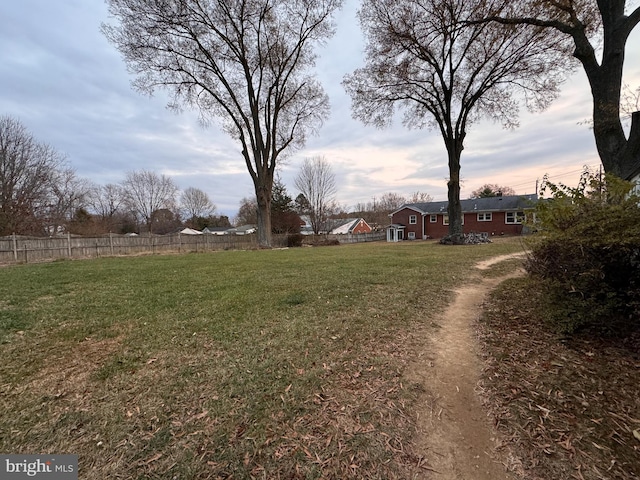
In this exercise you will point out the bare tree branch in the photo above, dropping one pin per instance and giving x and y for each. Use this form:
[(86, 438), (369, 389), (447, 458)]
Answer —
[(433, 61), (243, 62)]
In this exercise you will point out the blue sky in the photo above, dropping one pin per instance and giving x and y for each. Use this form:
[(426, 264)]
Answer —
[(71, 89)]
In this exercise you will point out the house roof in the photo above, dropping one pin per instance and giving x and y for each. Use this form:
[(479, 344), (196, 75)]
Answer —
[(190, 231), (344, 226), (243, 229), (488, 204), (214, 229), (632, 174)]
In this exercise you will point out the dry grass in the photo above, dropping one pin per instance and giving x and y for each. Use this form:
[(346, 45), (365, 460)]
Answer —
[(569, 407), (266, 364)]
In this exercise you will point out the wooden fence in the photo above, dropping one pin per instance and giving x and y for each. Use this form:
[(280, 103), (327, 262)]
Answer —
[(19, 249)]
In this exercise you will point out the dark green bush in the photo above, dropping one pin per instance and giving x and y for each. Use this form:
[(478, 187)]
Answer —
[(587, 254)]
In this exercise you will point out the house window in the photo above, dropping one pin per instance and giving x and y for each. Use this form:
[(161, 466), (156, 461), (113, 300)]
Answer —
[(433, 218), (445, 219), (484, 217), (411, 235), (514, 217), (413, 219)]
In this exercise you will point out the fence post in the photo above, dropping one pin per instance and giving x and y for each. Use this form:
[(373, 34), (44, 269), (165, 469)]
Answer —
[(179, 242), (15, 247), (26, 259), (111, 242), (69, 243)]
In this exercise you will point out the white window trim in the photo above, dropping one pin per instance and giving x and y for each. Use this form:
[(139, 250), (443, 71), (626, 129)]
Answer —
[(411, 235), (518, 218), (413, 219), (433, 218), (486, 217)]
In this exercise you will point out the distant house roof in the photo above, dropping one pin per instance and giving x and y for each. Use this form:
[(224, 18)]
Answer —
[(344, 226), (633, 173), (242, 230), (487, 204), (190, 231), (215, 230)]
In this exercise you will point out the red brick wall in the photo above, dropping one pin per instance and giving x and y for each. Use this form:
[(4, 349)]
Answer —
[(402, 217), (437, 229), (362, 227), (495, 227)]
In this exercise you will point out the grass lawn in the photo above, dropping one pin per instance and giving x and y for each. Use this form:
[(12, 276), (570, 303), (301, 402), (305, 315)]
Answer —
[(239, 364)]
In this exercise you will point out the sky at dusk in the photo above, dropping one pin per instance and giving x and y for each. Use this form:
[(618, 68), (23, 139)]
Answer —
[(62, 79)]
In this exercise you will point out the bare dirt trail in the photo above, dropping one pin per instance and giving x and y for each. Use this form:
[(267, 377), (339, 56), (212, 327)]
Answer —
[(453, 430)]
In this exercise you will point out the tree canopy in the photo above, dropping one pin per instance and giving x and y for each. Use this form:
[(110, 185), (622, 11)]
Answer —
[(317, 185), (429, 59), (37, 190), (146, 192), (244, 63), (492, 190), (598, 31)]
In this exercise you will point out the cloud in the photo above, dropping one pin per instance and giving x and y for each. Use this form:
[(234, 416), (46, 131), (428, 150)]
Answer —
[(70, 88)]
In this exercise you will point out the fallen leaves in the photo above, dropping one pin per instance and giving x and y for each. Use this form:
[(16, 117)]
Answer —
[(568, 405)]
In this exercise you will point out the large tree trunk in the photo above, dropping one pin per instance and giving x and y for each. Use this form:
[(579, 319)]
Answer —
[(619, 154), (263, 197), (454, 208)]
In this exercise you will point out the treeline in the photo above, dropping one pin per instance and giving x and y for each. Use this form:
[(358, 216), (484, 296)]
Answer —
[(41, 195)]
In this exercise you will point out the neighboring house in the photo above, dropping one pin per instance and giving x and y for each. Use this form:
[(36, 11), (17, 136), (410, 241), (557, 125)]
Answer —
[(633, 176), (242, 230), (350, 226), (305, 225), (215, 230), (190, 231), (491, 215)]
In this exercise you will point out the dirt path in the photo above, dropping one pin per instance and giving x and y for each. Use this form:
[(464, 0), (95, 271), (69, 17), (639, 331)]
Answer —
[(453, 429)]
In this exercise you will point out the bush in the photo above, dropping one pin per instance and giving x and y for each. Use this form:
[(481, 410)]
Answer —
[(294, 240), (587, 254)]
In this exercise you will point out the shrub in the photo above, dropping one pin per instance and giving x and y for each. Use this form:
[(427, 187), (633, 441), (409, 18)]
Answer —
[(587, 252), (294, 240)]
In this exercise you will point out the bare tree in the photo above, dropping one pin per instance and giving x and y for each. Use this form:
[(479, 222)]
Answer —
[(26, 170), (598, 30), (146, 192), (492, 190), (105, 200), (67, 194), (317, 182), (247, 213), (196, 203), (107, 203), (428, 58), (389, 202), (245, 62), (420, 197)]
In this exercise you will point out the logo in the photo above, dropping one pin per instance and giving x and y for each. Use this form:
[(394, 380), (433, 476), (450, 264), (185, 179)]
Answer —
[(48, 467)]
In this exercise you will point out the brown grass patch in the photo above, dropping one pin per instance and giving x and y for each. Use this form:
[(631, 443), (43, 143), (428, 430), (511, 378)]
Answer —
[(569, 407)]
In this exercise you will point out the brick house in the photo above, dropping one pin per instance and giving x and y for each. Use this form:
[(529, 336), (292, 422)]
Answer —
[(492, 215), (349, 226)]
